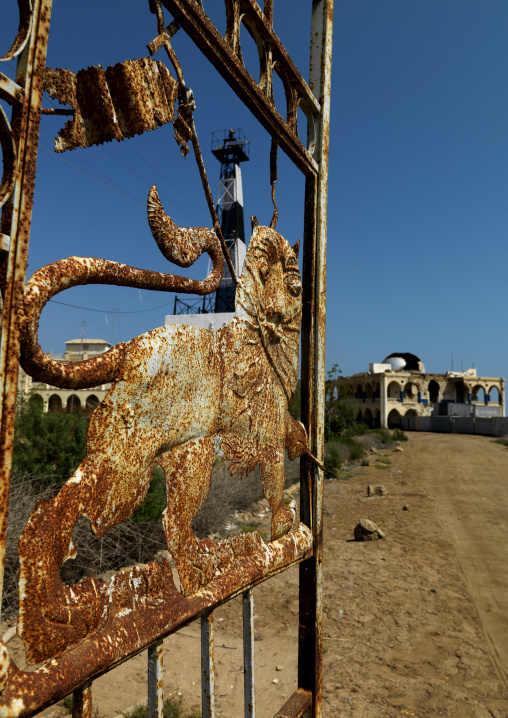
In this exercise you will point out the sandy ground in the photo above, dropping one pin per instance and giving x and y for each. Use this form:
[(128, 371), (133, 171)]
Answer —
[(415, 624)]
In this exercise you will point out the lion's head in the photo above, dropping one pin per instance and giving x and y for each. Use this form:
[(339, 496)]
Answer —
[(269, 300)]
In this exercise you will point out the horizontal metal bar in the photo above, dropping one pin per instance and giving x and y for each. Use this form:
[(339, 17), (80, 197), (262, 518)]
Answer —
[(163, 614), (10, 91), (5, 242), (206, 36), (57, 111), (296, 706)]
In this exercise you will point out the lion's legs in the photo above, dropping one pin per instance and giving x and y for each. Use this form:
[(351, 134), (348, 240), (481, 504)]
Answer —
[(64, 616), (272, 475), (188, 470)]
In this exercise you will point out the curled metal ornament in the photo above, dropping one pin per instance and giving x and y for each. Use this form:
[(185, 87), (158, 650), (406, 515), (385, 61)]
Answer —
[(24, 29), (8, 158), (180, 246), (123, 100)]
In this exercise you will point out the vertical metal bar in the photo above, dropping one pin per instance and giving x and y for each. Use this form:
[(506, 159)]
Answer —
[(248, 654), (207, 666), (313, 349), (82, 701), (155, 686), (15, 223)]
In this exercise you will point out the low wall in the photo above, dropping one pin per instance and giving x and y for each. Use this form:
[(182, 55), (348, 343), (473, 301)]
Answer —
[(494, 426)]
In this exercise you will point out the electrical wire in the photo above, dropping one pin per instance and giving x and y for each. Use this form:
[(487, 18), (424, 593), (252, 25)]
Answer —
[(110, 311)]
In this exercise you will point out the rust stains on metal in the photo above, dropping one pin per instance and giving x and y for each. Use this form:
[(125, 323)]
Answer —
[(124, 100), (297, 705), (175, 390), (24, 29), (225, 55), (180, 246), (9, 158), (142, 605)]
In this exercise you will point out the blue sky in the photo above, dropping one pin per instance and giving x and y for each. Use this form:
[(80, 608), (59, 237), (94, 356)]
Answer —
[(417, 187)]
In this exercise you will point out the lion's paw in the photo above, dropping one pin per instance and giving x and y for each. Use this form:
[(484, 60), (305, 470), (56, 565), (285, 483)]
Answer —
[(284, 521)]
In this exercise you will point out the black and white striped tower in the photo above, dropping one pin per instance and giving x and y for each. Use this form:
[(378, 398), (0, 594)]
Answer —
[(231, 148)]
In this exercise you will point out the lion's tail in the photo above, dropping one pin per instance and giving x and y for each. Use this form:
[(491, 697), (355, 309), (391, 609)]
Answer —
[(180, 246)]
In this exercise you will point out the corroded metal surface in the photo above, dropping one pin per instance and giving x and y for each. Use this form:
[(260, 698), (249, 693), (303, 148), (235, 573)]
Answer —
[(121, 101), (297, 705), (144, 605), (155, 682), (175, 389), (225, 54), (181, 246)]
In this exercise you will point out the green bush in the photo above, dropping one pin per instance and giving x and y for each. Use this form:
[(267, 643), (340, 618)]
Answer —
[(333, 460), (356, 429), (384, 436), (155, 502), (48, 444), (355, 449), (399, 435)]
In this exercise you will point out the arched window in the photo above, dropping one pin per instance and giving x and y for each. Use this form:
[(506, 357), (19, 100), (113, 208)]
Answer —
[(73, 403), (91, 402), (368, 390), (359, 391), (433, 391), (367, 417), (359, 418), (494, 395), (394, 419), (479, 394), (393, 391), (55, 403), (411, 391), (411, 412)]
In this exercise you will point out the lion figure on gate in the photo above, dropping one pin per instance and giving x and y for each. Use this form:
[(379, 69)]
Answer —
[(175, 391)]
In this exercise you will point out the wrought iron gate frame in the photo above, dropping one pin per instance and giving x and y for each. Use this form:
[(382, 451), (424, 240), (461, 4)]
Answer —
[(19, 149)]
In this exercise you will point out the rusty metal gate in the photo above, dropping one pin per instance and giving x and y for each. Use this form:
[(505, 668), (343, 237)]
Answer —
[(246, 372)]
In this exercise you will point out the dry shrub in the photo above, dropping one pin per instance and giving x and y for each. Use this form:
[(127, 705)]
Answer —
[(130, 542)]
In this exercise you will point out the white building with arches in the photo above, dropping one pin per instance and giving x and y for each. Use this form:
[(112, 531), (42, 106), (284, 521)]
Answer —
[(399, 386), (54, 399)]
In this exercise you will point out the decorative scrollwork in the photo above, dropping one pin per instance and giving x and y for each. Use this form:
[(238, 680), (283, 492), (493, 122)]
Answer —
[(24, 29)]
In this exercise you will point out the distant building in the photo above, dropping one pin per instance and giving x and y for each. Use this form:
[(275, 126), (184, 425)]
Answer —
[(54, 399), (399, 386)]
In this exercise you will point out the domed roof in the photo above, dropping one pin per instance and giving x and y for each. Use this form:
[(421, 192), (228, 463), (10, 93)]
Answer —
[(404, 361)]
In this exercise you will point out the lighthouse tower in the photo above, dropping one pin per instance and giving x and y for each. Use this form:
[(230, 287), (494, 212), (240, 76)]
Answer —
[(213, 311), (231, 149)]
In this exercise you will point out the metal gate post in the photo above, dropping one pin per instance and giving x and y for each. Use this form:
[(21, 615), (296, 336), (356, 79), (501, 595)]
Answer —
[(26, 97), (313, 359), (207, 666)]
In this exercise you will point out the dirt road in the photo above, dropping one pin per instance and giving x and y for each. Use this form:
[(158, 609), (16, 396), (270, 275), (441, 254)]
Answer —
[(468, 476), (415, 624)]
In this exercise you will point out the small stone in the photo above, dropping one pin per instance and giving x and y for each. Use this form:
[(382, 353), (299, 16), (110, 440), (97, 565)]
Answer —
[(405, 507), (279, 668), (376, 490), (399, 448), (275, 680), (366, 530)]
